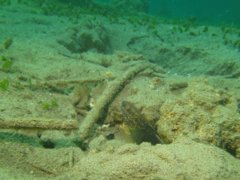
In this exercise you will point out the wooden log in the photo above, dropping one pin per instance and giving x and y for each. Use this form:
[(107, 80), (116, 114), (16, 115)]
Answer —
[(38, 123), (106, 98)]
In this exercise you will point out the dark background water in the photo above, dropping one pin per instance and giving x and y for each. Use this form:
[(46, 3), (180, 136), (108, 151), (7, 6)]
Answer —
[(210, 11), (207, 11)]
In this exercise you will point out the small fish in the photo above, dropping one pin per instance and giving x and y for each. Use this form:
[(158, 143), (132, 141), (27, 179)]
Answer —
[(140, 129)]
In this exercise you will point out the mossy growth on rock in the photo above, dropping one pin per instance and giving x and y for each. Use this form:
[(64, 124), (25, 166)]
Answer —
[(4, 84), (5, 64)]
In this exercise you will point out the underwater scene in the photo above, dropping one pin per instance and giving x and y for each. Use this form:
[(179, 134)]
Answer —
[(119, 89)]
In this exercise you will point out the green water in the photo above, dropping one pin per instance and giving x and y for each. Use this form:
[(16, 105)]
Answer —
[(101, 84)]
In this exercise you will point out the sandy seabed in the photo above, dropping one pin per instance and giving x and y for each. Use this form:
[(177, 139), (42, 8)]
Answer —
[(78, 97)]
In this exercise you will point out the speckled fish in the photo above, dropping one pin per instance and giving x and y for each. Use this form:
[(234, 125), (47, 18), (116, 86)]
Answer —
[(140, 129)]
